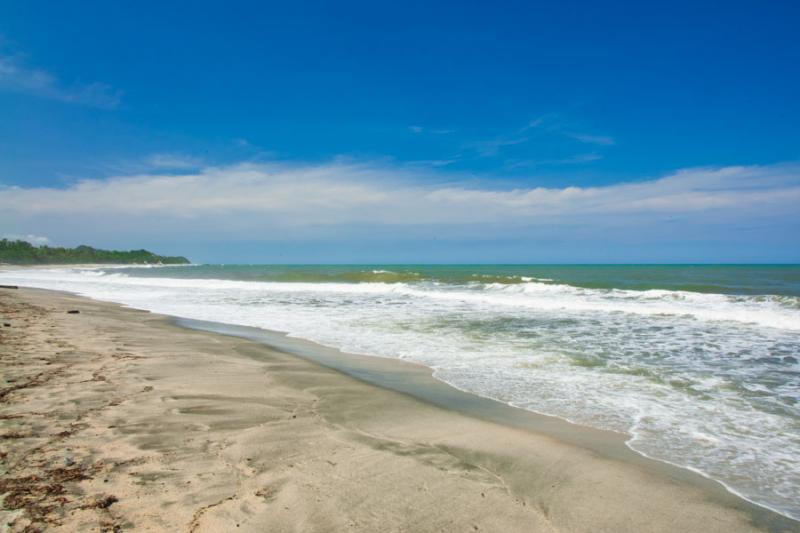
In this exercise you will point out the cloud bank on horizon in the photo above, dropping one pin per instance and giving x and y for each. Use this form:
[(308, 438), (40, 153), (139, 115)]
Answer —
[(368, 202)]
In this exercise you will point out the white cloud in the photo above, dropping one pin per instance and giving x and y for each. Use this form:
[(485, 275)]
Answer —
[(338, 194), (36, 240), (343, 211), (16, 76)]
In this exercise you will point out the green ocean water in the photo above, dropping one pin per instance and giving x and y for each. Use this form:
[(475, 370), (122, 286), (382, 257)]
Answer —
[(721, 279)]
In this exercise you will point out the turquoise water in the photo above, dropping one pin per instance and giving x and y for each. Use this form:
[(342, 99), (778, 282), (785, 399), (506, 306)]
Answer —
[(723, 279), (698, 364)]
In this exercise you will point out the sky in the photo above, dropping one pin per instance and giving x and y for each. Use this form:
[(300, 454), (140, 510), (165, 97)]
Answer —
[(410, 132)]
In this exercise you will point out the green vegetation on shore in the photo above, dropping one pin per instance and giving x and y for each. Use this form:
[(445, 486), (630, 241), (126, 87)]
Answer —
[(24, 253)]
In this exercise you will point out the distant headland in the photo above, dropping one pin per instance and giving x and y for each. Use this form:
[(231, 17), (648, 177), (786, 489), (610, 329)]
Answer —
[(17, 252)]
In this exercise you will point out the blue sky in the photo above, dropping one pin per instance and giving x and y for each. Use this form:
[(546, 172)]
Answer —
[(405, 131)]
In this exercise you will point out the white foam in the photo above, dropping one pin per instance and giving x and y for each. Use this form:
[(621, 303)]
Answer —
[(770, 311)]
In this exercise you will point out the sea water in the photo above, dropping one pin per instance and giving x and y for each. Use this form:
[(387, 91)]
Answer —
[(699, 365)]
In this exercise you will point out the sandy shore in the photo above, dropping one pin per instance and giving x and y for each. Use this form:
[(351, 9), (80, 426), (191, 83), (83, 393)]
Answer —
[(114, 419)]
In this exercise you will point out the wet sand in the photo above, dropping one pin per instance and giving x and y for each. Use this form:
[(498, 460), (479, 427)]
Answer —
[(118, 419)]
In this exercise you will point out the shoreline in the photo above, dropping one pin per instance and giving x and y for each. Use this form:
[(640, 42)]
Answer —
[(543, 473), (420, 382)]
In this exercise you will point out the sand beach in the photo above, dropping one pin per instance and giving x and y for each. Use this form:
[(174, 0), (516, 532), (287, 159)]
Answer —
[(114, 419)]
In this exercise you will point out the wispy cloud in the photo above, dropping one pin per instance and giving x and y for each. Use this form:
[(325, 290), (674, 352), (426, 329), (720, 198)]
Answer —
[(537, 130), (173, 161), (535, 123), (571, 160), (492, 147), (552, 123), (602, 140), (434, 131), (16, 76), (435, 162)]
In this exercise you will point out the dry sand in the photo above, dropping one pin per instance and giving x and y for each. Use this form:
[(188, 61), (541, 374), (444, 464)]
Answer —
[(115, 419)]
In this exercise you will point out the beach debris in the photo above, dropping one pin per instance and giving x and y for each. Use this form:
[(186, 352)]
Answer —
[(14, 435), (73, 312), (64, 475), (7, 324), (41, 495), (101, 502), (34, 381), (106, 502), (69, 461), (110, 526)]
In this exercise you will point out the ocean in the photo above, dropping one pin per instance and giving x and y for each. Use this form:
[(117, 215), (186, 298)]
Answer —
[(698, 364)]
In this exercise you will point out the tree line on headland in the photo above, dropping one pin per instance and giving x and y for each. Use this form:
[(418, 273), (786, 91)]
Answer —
[(17, 252)]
